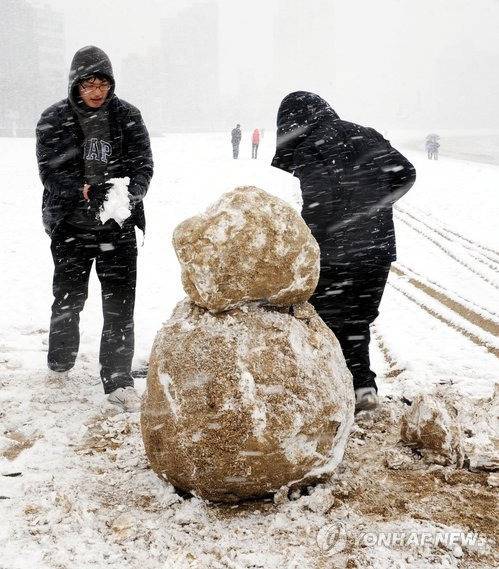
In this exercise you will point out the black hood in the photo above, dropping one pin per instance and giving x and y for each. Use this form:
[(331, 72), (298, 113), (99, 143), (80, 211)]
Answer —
[(299, 113), (302, 109), (87, 61)]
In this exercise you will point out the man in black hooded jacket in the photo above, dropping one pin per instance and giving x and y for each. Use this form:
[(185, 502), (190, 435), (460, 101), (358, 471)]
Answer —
[(350, 177), (83, 141)]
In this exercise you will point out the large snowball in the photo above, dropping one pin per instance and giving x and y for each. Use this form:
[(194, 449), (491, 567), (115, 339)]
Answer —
[(431, 424), (241, 403), (247, 246)]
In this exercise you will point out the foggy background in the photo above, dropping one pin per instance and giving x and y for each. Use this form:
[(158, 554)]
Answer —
[(200, 65)]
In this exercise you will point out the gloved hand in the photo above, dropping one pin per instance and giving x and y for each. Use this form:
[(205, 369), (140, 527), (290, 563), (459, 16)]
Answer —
[(96, 194)]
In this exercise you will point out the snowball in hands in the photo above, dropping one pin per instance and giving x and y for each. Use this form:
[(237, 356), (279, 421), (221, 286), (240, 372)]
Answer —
[(117, 203)]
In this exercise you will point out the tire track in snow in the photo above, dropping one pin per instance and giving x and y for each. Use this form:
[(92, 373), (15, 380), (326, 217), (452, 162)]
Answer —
[(394, 368), (487, 253), (438, 293), (449, 253), (437, 313), (481, 310)]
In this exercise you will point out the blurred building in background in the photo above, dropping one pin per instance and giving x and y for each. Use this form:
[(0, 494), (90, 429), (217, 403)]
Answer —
[(201, 65), (49, 40), (31, 62), (189, 68), (176, 86), (303, 50), (142, 84)]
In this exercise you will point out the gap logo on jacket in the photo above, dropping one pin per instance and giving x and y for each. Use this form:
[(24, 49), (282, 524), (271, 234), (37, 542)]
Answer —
[(95, 149)]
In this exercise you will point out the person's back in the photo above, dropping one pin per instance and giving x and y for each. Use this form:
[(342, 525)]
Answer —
[(350, 177)]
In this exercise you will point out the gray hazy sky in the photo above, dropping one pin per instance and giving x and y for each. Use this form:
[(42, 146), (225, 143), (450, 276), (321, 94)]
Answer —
[(413, 62)]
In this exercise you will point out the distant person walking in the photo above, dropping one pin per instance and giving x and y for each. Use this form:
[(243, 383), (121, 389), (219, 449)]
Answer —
[(236, 140), (255, 141), (350, 177), (432, 145)]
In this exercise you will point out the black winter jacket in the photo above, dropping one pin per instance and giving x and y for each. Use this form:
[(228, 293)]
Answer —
[(59, 151), (235, 136), (350, 177)]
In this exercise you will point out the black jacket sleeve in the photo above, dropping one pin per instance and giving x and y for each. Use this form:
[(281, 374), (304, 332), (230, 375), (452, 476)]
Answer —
[(55, 158), (316, 188), (284, 159), (139, 162), (393, 173)]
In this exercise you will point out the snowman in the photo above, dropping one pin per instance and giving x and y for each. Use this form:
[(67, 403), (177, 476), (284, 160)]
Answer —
[(248, 392)]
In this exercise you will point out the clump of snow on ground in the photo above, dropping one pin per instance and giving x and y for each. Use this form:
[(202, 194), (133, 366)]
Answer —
[(431, 424), (117, 203)]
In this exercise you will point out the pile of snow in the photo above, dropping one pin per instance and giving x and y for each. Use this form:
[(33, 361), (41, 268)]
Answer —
[(432, 425)]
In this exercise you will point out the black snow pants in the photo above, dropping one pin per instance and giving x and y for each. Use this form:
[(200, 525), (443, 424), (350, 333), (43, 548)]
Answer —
[(235, 151), (347, 299), (115, 254), (254, 150)]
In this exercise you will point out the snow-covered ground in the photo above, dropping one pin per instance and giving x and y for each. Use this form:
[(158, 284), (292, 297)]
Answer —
[(75, 489)]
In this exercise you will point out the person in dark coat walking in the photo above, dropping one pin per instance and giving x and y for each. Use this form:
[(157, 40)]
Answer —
[(350, 177), (82, 142), (235, 138)]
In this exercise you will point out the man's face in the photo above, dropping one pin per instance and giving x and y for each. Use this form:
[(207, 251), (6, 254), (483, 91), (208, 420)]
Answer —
[(94, 91)]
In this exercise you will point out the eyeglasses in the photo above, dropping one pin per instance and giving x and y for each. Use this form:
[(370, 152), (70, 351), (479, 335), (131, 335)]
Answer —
[(89, 86)]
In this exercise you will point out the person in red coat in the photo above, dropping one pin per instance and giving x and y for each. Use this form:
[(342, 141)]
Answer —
[(255, 141)]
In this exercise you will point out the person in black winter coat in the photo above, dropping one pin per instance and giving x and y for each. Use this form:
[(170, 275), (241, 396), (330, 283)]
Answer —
[(350, 177), (82, 142), (235, 139)]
